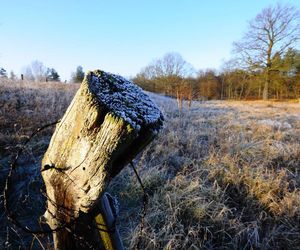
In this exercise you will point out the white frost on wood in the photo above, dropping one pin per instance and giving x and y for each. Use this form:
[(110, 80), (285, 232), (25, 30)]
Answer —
[(125, 100)]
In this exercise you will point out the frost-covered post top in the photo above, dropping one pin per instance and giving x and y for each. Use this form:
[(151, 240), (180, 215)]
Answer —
[(125, 100), (109, 121)]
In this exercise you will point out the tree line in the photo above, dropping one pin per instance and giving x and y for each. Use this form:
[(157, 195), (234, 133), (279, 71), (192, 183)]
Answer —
[(266, 64), (37, 71)]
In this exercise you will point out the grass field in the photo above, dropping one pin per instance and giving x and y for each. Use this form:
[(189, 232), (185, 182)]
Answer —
[(221, 175)]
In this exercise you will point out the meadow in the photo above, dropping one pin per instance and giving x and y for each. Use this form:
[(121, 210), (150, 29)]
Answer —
[(221, 174)]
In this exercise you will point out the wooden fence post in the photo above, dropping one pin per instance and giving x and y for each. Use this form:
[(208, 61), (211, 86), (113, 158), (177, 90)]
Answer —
[(109, 121)]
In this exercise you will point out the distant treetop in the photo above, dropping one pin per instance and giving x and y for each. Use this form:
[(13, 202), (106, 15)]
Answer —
[(78, 75)]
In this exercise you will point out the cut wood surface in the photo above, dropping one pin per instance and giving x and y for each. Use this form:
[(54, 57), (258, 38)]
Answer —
[(109, 121)]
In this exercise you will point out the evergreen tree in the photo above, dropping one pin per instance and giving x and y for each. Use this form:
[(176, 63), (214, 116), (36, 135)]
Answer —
[(270, 34), (52, 75), (78, 75), (3, 73)]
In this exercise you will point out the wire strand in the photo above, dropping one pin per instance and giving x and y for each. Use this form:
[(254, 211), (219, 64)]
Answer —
[(143, 209)]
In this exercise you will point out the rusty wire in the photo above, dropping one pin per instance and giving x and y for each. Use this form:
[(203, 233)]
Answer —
[(144, 207)]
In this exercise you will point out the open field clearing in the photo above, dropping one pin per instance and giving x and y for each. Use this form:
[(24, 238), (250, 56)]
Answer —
[(221, 175)]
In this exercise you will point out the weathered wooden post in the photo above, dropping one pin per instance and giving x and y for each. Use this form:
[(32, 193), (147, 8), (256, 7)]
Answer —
[(109, 121)]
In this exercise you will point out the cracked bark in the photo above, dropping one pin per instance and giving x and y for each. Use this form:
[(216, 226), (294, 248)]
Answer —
[(90, 146)]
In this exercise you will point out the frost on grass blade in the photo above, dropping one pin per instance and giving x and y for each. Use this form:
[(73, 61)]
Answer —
[(125, 100)]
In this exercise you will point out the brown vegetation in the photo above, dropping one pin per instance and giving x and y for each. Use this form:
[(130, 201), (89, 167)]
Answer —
[(232, 83), (222, 174), (266, 64), (26, 106)]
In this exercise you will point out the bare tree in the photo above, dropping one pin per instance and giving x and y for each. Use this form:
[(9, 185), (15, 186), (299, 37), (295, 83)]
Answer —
[(171, 64), (36, 71), (271, 33), (27, 73), (168, 73), (12, 75), (39, 70)]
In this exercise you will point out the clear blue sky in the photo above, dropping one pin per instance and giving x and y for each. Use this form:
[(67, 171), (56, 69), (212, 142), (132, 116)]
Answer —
[(121, 36)]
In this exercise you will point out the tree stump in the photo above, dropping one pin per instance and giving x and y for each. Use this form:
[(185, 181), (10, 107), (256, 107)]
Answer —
[(109, 121)]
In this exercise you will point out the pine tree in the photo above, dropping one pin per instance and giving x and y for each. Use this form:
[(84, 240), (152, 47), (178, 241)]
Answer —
[(78, 75), (52, 75), (3, 73)]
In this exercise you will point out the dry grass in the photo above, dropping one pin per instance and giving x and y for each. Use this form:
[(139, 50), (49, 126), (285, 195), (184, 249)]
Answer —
[(222, 175), (24, 107)]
